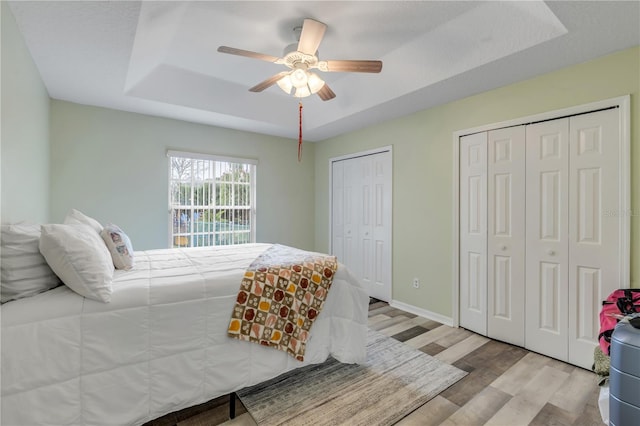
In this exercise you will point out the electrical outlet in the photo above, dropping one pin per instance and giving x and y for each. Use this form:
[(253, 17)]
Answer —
[(416, 283)]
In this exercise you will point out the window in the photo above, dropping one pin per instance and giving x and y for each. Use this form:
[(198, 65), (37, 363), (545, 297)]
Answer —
[(211, 200)]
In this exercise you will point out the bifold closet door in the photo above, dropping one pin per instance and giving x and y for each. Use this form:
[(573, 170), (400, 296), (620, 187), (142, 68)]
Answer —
[(374, 239), (473, 232), (542, 232), (573, 245), (595, 226), (547, 233), (361, 219), (338, 235), (506, 235)]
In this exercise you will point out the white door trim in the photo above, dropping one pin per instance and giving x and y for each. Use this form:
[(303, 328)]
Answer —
[(623, 103), (388, 148)]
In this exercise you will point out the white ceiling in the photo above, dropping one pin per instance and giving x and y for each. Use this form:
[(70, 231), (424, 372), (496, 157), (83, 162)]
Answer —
[(160, 58)]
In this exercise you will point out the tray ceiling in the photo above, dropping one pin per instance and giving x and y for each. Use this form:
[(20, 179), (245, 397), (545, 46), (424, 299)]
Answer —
[(159, 58)]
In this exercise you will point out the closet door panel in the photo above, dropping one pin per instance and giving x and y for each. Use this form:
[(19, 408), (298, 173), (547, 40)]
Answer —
[(361, 219), (505, 242), (364, 235), (381, 225), (473, 232), (594, 234), (547, 152), (337, 209), (351, 203)]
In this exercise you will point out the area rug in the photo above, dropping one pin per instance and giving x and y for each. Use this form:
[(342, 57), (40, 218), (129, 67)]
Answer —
[(395, 380)]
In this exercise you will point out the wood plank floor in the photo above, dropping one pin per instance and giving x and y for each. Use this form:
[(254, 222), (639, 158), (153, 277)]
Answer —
[(506, 385)]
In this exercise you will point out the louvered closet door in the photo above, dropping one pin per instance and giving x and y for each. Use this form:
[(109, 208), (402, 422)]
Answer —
[(547, 199), (506, 233), (473, 232), (594, 231)]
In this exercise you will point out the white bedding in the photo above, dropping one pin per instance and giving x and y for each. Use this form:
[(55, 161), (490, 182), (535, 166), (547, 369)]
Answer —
[(160, 345)]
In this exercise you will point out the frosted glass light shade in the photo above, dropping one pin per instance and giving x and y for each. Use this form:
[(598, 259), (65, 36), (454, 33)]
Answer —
[(285, 84), (301, 82), (315, 83), (299, 78), (302, 92)]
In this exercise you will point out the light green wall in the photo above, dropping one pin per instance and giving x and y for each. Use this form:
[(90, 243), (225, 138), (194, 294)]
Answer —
[(24, 139), (112, 165), (423, 164)]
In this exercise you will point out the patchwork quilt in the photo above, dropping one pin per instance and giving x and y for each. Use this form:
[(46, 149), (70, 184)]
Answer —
[(281, 295)]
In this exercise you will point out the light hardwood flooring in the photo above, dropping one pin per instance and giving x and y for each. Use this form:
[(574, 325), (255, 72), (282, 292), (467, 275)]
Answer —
[(506, 385)]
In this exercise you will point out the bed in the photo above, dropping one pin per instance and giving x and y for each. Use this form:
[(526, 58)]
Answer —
[(159, 345)]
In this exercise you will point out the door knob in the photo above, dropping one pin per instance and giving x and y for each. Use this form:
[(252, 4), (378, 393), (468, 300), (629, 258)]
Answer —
[(503, 247), (551, 252)]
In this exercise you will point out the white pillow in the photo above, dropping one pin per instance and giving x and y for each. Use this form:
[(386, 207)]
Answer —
[(23, 270), (80, 258), (76, 217), (119, 246)]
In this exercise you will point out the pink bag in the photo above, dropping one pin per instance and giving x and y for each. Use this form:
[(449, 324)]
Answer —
[(621, 302)]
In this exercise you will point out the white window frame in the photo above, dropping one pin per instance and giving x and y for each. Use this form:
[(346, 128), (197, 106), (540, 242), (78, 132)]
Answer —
[(216, 158)]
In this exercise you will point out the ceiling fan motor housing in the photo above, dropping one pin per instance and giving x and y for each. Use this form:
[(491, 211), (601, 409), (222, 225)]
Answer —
[(294, 59)]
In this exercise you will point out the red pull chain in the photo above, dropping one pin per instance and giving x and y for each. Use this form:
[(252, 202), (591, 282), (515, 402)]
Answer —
[(300, 133)]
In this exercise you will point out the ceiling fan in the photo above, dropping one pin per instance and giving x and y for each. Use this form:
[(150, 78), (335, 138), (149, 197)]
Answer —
[(302, 57)]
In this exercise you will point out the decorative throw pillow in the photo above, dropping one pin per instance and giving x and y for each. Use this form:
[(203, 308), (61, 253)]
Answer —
[(76, 217), (23, 270), (80, 258), (119, 246)]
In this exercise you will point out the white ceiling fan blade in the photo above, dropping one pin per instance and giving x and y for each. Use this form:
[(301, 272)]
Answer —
[(311, 36), (350, 66), (326, 94), (268, 82), (247, 53)]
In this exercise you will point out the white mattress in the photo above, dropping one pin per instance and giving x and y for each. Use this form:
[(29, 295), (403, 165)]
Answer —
[(160, 345)]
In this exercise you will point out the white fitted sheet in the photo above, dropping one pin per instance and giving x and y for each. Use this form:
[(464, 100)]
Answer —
[(160, 345)]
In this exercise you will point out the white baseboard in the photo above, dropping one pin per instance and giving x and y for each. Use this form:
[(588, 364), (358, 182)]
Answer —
[(422, 312)]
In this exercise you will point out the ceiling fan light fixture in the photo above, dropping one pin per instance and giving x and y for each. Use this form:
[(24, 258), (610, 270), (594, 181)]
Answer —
[(299, 77), (304, 82), (302, 92), (285, 84), (315, 83)]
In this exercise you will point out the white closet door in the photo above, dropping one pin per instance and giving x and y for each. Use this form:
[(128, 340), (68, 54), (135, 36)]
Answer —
[(594, 231), (547, 200), (574, 247), (361, 219), (473, 232), (337, 209), (364, 210), (351, 250), (376, 220), (506, 234)]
